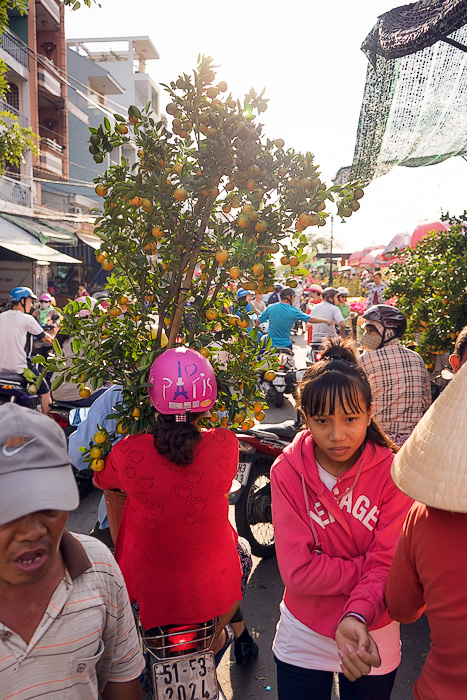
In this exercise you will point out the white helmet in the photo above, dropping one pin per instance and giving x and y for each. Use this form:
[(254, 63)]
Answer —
[(343, 290)]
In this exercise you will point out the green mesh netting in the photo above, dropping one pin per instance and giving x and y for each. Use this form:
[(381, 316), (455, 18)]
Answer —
[(414, 109)]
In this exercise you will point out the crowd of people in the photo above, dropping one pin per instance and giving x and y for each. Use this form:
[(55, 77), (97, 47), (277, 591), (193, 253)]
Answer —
[(369, 507)]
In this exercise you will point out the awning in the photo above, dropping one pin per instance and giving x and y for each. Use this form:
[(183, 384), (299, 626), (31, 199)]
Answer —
[(84, 231), (15, 238), (46, 232)]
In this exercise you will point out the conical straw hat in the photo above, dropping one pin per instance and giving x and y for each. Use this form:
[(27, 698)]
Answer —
[(431, 466)]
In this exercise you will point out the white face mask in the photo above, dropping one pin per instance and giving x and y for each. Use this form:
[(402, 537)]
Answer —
[(370, 341)]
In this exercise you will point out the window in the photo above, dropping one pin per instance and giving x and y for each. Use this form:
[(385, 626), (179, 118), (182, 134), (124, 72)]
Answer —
[(12, 96)]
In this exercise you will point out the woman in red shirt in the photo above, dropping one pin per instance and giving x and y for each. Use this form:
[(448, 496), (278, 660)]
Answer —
[(430, 564), (175, 546)]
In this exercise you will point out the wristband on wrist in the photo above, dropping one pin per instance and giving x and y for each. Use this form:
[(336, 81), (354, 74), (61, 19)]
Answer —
[(356, 615)]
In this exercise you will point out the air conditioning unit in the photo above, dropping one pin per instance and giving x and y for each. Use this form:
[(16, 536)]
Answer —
[(74, 209)]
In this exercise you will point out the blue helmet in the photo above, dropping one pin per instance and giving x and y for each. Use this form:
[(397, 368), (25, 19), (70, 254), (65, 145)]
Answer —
[(242, 293), (19, 293)]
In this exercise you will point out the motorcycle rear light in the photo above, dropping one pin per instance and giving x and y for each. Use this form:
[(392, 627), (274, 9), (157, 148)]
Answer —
[(60, 420), (318, 356), (170, 642), (183, 638)]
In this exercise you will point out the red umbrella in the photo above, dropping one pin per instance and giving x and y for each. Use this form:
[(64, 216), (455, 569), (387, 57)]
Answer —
[(400, 241), (391, 261), (355, 260), (424, 229), (372, 259)]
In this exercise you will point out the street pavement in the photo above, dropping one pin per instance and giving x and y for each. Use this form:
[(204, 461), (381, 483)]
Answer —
[(261, 605)]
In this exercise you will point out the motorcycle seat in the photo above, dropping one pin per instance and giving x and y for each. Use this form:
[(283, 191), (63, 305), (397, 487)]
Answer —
[(79, 403), (286, 429), (7, 377), (287, 351)]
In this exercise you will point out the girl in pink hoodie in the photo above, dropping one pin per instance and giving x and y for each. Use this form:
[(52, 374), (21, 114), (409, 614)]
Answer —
[(337, 517)]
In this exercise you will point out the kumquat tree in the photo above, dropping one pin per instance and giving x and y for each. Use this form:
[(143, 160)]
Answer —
[(431, 285), (205, 208)]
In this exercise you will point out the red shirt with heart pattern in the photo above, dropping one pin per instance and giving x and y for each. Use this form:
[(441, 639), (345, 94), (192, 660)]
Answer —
[(175, 546)]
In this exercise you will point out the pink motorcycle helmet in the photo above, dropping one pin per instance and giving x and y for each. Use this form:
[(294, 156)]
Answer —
[(182, 380), (45, 297)]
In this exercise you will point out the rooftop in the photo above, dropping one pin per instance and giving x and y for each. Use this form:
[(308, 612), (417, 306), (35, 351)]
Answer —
[(115, 48)]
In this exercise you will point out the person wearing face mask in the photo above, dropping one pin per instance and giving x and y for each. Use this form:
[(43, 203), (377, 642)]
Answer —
[(399, 378), (44, 313)]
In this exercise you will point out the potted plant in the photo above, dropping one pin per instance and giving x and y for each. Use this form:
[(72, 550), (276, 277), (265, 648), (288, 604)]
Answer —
[(209, 206)]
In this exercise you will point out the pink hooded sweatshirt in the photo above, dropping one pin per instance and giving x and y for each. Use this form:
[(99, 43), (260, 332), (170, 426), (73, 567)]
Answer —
[(335, 549)]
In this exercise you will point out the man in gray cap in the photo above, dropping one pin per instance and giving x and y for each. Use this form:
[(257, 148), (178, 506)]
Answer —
[(66, 626)]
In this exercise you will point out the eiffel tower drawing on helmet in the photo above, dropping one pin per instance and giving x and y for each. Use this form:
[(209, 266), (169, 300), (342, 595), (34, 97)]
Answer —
[(181, 391)]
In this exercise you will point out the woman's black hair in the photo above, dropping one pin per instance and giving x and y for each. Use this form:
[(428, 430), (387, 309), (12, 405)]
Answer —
[(337, 378), (176, 440)]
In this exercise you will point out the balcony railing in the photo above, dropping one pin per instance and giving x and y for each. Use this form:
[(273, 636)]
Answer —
[(47, 81), (15, 47), (15, 192), (51, 158), (51, 145), (22, 118)]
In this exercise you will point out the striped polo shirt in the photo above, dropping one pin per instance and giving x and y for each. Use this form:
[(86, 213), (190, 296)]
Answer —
[(86, 637)]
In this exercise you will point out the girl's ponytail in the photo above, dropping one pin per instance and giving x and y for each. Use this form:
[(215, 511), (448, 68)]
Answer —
[(375, 434)]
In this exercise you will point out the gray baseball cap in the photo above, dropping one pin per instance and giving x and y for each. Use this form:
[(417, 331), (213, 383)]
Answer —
[(35, 470)]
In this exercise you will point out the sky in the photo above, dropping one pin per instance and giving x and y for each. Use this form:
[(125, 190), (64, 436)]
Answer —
[(307, 56)]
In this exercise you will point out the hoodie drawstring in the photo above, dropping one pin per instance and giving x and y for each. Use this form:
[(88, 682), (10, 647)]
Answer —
[(338, 499), (350, 488), (313, 526)]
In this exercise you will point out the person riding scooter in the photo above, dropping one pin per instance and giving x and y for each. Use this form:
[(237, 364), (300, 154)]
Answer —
[(46, 314), (282, 317), (17, 327), (399, 378), (175, 545)]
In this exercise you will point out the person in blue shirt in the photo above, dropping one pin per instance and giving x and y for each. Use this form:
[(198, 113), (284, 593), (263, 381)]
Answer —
[(282, 316), (97, 415)]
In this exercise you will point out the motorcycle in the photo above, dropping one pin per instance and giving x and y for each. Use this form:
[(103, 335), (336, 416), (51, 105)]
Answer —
[(284, 380), (15, 387), (258, 449), (179, 663), (68, 415), (313, 353)]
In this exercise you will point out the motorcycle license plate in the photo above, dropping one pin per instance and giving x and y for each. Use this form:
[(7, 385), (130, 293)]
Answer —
[(279, 381), (187, 678), (243, 472)]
